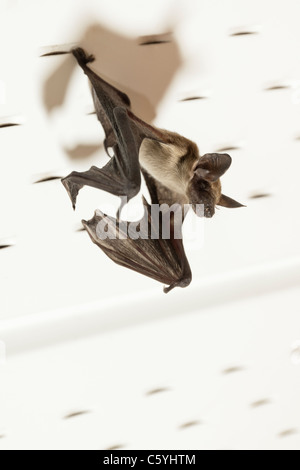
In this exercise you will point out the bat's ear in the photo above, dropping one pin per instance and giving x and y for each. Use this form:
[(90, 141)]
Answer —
[(212, 166), (226, 201)]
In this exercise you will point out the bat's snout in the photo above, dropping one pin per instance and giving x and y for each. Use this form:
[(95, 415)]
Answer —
[(208, 211)]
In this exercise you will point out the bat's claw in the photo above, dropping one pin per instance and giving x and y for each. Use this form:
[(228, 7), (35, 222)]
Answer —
[(82, 57), (184, 282), (72, 189)]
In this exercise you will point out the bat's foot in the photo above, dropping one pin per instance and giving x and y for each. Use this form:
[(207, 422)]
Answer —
[(182, 283), (82, 57), (124, 200)]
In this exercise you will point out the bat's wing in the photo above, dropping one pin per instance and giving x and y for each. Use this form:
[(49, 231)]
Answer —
[(105, 96), (143, 246), (121, 175), (124, 133)]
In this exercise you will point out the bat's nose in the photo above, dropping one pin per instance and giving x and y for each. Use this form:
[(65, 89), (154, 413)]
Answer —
[(208, 212)]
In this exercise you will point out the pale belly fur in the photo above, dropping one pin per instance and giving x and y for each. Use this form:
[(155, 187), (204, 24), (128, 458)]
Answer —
[(161, 161)]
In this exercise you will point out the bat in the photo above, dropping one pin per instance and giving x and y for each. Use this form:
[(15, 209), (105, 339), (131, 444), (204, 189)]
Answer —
[(175, 173)]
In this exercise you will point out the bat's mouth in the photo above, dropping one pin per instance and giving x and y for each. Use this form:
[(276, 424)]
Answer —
[(209, 211), (203, 207), (201, 200)]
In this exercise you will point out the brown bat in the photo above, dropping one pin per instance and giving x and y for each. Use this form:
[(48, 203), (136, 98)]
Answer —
[(174, 173)]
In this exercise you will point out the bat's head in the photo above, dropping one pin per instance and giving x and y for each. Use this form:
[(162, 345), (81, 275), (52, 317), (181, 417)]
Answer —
[(205, 185)]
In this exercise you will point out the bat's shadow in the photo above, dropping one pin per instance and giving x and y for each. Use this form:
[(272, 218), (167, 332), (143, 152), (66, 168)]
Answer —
[(141, 67)]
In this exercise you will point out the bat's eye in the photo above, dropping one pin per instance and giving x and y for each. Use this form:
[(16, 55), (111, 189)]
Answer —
[(202, 185)]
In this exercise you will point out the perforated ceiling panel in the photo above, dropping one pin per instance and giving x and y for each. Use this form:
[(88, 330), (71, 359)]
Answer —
[(96, 356)]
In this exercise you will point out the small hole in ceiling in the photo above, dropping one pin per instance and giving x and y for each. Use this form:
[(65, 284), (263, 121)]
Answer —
[(243, 31), (115, 447), (259, 195), (60, 49), (262, 402), (47, 178), (155, 39), (48, 54), (228, 148), (9, 124), (154, 42), (193, 98), (155, 391), (232, 370), (277, 87), (74, 414), (189, 424), (288, 432)]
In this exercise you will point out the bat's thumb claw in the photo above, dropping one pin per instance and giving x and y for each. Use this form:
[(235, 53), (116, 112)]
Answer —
[(72, 189)]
